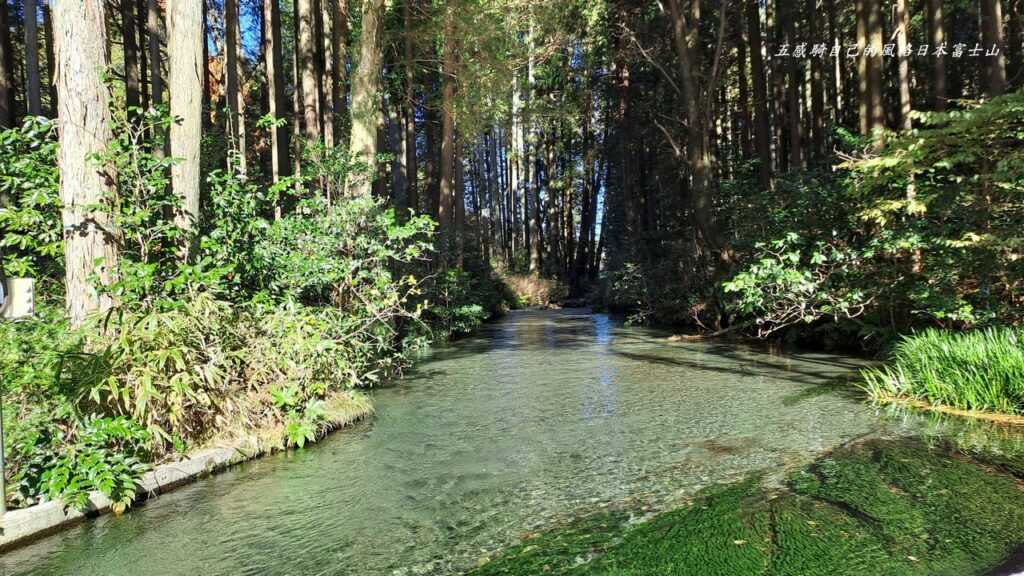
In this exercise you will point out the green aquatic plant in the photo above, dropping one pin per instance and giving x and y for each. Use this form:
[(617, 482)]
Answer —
[(977, 370), (883, 507)]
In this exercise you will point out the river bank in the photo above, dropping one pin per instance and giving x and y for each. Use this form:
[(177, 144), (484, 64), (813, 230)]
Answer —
[(23, 526)]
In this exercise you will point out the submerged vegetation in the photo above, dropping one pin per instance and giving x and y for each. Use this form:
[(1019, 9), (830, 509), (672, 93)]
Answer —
[(881, 507)]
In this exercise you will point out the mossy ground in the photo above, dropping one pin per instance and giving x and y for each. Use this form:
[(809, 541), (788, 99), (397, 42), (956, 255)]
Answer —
[(881, 507)]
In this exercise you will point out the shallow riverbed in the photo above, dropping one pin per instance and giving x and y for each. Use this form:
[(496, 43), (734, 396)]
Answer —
[(531, 421)]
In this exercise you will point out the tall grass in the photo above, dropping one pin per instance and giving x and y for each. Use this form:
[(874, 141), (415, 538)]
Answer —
[(978, 370)]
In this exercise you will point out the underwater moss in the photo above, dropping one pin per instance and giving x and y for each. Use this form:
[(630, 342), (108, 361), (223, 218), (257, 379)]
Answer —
[(886, 508)]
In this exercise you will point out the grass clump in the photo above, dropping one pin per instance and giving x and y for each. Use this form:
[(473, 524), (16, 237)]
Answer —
[(878, 508), (981, 370)]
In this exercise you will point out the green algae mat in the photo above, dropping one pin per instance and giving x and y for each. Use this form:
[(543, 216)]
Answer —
[(885, 507)]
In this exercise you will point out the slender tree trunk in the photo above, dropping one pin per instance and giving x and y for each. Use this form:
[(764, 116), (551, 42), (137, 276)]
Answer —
[(365, 92), (186, 72), (789, 14), (863, 73), (992, 35), (744, 90), (818, 82), (409, 109), (329, 75), (235, 98), (1016, 48), (132, 82), (875, 64), (459, 205), (532, 188), (902, 34), (273, 55), (762, 128), (51, 61), (306, 54), (339, 72), (155, 60), (84, 123), (839, 64), (447, 203), (33, 83), (6, 71), (937, 29)]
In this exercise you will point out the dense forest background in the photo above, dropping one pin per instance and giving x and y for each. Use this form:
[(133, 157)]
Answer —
[(659, 147)]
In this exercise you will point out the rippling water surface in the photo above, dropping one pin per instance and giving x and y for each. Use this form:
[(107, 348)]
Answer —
[(535, 418)]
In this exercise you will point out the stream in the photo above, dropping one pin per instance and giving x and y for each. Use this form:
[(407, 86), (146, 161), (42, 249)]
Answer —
[(530, 421)]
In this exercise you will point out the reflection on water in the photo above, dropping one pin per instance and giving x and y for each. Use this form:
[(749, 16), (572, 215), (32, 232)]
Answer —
[(532, 420)]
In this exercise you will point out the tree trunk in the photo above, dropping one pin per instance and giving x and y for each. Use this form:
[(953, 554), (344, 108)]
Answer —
[(139, 6), (235, 98), (685, 35), (1016, 48), (306, 54), (186, 72), (532, 188), (33, 83), (339, 72), (51, 61), (789, 14), (84, 124), (6, 71), (365, 109), (155, 61), (447, 203), (409, 110), (272, 53), (937, 29), (132, 83), (992, 35), (762, 128), (902, 34), (817, 87), (875, 64), (329, 73)]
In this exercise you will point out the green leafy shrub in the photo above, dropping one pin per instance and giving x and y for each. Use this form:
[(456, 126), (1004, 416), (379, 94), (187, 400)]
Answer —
[(30, 231)]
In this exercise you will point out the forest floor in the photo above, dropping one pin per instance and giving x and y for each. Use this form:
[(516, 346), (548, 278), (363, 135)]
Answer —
[(885, 507)]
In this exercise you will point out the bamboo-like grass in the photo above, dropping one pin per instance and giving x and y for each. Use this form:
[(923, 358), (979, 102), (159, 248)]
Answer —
[(980, 371)]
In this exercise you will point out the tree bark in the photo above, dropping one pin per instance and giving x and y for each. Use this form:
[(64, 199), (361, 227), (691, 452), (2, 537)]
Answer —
[(532, 187), (447, 204), (84, 124), (132, 83), (305, 46), (365, 109), (409, 109), (992, 35), (6, 71), (235, 98), (328, 75), (762, 128), (937, 29), (278, 105), (156, 74), (186, 74), (818, 81), (902, 34), (51, 61), (339, 72), (788, 14), (33, 97)]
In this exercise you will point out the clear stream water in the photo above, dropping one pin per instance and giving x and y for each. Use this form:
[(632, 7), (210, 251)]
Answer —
[(534, 419)]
